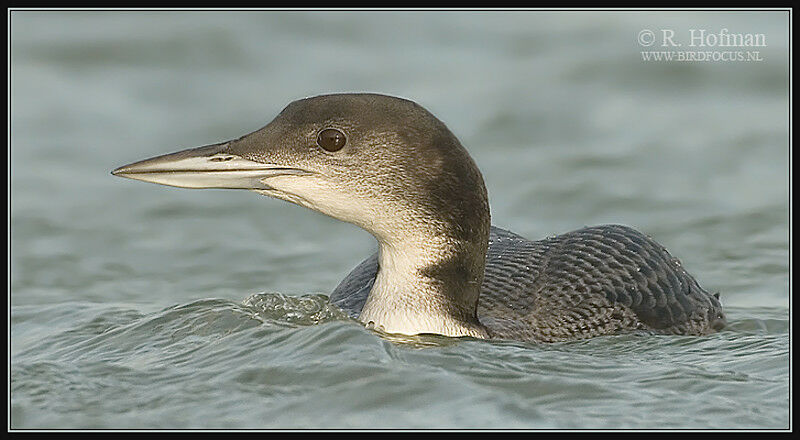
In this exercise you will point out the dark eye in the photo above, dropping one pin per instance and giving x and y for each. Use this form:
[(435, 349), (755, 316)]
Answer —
[(331, 139)]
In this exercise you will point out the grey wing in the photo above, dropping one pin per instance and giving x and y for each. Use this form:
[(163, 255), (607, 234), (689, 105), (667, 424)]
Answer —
[(351, 293), (593, 281)]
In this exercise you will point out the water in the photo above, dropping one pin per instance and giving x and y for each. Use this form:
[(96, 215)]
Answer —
[(141, 306)]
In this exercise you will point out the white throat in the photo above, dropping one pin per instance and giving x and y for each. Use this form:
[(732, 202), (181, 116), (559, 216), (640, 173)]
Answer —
[(405, 301)]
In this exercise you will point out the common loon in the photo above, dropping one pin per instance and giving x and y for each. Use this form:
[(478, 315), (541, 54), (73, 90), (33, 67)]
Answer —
[(390, 167)]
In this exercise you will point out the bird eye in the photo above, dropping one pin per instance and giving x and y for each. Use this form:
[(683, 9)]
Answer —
[(331, 139)]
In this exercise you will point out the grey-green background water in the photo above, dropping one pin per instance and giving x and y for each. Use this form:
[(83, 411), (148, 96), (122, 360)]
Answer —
[(140, 306)]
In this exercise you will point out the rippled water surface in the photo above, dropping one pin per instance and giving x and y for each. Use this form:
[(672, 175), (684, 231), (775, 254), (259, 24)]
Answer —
[(140, 306)]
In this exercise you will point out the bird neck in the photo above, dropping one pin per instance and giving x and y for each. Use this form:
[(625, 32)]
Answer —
[(428, 283)]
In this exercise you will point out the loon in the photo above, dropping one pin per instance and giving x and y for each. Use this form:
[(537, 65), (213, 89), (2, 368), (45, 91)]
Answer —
[(389, 166)]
